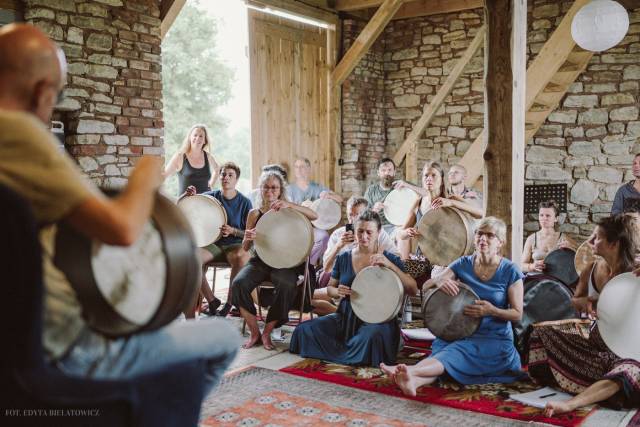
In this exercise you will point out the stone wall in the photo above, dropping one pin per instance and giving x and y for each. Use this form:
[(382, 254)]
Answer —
[(112, 109), (363, 129), (588, 142)]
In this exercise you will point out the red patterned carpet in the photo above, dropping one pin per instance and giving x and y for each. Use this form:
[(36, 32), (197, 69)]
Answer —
[(489, 399)]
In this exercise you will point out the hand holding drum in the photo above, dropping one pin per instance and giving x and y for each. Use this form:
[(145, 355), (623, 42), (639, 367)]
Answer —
[(376, 293)]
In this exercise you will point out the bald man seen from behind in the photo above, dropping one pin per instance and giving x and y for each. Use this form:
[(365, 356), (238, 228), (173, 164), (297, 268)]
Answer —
[(32, 75)]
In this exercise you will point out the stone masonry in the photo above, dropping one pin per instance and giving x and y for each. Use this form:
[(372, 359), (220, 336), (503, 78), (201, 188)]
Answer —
[(588, 142), (112, 108)]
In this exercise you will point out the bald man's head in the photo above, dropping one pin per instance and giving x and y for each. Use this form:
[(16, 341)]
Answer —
[(32, 70)]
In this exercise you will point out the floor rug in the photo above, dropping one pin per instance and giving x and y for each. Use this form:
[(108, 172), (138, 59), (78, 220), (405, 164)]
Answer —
[(489, 399), (261, 397)]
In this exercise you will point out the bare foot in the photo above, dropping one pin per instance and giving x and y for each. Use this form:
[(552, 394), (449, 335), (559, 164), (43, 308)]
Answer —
[(266, 342), (556, 408), (389, 370), (405, 380), (253, 340)]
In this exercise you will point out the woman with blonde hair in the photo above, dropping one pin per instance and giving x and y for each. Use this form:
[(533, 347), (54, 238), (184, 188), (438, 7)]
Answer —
[(194, 164)]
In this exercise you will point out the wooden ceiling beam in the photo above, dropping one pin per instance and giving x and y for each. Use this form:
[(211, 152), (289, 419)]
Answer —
[(413, 8), (365, 39), (169, 10)]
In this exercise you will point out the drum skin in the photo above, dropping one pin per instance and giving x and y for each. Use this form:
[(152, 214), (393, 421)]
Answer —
[(619, 316), (561, 265), (443, 314), (183, 273), (584, 257), (329, 213), (545, 298), (446, 235), (377, 294), (205, 214), (284, 238), (398, 204)]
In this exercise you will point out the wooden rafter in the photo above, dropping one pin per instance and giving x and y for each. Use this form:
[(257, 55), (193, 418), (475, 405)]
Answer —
[(444, 91), (365, 39), (412, 8), (169, 10)]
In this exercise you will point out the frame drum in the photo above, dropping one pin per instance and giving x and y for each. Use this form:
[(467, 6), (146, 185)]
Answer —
[(329, 214), (443, 314), (584, 257), (206, 215), (377, 294), (446, 235), (619, 317), (284, 238), (561, 265), (125, 290), (398, 204)]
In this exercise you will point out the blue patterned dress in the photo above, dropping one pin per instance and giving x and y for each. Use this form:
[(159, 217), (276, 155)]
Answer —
[(489, 355), (342, 337)]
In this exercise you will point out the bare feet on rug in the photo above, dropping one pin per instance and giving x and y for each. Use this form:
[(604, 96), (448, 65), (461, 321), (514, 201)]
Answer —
[(389, 370), (556, 408), (405, 380), (266, 341), (253, 340)]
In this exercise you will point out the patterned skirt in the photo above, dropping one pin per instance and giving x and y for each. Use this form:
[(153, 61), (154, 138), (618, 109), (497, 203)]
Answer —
[(571, 355)]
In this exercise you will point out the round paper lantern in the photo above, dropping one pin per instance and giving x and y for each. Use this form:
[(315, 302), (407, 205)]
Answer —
[(600, 25)]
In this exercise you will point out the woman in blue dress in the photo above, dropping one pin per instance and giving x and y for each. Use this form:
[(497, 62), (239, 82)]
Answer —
[(342, 337), (489, 355)]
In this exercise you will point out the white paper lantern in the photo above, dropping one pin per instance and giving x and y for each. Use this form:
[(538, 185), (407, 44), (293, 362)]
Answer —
[(600, 25)]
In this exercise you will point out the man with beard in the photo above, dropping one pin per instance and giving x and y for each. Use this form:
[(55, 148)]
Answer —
[(627, 197), (377, 192), (457, 176)]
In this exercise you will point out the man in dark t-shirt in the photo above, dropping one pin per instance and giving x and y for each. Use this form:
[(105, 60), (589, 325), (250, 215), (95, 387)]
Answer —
[(627, 198), (229, 247)]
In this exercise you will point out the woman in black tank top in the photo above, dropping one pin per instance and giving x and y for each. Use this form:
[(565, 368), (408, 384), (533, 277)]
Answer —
[(195, 166)]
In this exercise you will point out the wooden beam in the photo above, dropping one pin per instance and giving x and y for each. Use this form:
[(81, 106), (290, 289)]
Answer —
[(297, 8), (351, 5), (435, 7), (444, 91), (364, 41), (498, 117), (169, 10)]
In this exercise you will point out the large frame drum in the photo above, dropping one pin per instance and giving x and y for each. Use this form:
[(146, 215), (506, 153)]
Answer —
[(446, 235), (142, 287), (561, 265), (284, 238), (443, 314), (398, 204), (329, 214), (619, 317), (584, 257), (206, 215), (377, 294)]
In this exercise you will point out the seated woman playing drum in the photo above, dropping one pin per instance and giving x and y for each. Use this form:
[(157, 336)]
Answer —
[(547, 239), (272, 196), (342, 337), (436, 197), (572, 355), (488, 355)]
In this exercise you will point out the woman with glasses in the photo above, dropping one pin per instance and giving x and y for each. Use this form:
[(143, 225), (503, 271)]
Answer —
[(271, 197), (489, 354)]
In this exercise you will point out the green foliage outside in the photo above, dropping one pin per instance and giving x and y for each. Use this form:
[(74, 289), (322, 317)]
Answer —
[(196, 82)]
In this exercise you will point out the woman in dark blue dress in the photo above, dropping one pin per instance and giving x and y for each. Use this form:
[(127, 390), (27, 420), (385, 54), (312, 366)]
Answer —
[(342, 337), (489, 354)]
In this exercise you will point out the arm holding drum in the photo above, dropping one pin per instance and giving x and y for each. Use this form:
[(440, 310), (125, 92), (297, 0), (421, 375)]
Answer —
[(410, 223), (580, 298), (250, 232), (445, 281), (309, 213), (459, 203), (408, 282)]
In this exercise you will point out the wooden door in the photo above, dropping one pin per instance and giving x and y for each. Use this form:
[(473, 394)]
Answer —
[(290, 69)]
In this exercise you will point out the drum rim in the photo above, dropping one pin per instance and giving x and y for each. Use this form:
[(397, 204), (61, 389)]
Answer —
[(387, 206), (75, 263), (397, 281), (560, 250), (209, 199), (604, 332), (260, 251), (425, 247), (431, 292), (575, 260), (317, 223)]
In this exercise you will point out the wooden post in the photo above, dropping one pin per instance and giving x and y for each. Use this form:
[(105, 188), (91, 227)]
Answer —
[(504, 155)]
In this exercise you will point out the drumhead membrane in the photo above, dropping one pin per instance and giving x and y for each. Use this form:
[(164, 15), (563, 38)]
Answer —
[(377, 294)]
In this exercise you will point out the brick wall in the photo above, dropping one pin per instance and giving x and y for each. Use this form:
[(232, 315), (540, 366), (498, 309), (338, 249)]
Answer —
[(112, 109)]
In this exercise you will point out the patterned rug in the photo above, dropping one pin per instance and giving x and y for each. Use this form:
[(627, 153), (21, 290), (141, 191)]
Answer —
[(262, 397), (490, 399)]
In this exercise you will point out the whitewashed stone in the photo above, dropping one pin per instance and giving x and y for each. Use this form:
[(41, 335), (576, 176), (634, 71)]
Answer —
[(615, 128), (99, 97), (39, 13), (550, 130), (405, 54), (584, 192), (407, 101), (600, 87), (107, 158), (107, 108), (75, 35), (617, 99), (54, 31), (556, 142), (95, 126), (68, 104), (582, 101), (87, 164), (423, 89), (456, 132), (620, 160), (418, 71), (77, 68), (404, 113), (538, 154), (577, 132), (631, 72), (112, 170), (76, 93), (584, 148), (597, 116), (431, 39), (99, 86), (605, 174), (456, 119), (629, 87), (550, 173), (608, 192), (454, 35), (153, 151), (99, 41), (595, 132), (578, 162), (116, 139), (82, 139), (141, 140), (102, 71), (624, 113), (563, 116), (618, 148), (633, 129)]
